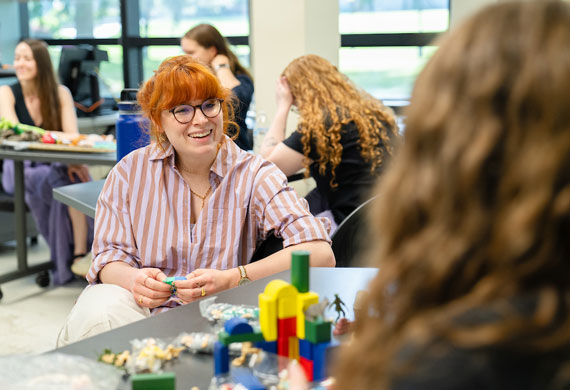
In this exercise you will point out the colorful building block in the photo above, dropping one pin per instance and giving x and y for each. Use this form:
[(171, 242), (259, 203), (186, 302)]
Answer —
[(304, 300), (287, 327), (227, 339), (300, 270), (293, 348), (320, 361), (317, 331), (305, 349), (307, 367), (287, 306), (237, 325), (268, 317), (267, 346), (283, 346), (221, 358), (171, 279), (162, 381)]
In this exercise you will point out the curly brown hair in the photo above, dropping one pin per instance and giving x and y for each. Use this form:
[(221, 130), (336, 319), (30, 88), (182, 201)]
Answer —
[(327, 100), (180, 80), (476, 203)]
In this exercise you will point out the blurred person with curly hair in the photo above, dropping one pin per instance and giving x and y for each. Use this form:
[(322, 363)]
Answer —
[(472, 233), (344, 136)]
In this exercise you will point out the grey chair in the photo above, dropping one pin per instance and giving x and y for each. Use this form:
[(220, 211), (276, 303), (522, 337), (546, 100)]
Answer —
[(349, 239)]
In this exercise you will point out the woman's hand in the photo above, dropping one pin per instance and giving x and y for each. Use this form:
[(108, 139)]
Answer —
[(202, 282), (283, 93), (149, 289), (78, 172), (218, 60)]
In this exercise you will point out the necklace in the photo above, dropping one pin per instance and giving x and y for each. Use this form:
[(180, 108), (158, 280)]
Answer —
[(203, 198)]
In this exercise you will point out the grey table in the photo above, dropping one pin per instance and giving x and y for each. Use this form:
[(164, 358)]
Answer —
[(19, 157), (81, 196), (197, 370)]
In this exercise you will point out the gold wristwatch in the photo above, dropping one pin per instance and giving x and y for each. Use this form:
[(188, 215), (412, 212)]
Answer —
[(244, 279)]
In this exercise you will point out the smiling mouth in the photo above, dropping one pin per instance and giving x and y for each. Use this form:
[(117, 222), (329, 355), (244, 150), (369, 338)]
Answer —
[(201, 135)]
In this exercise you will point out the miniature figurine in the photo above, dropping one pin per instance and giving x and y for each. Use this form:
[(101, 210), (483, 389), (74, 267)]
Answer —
[(338, 304), (316, 311)]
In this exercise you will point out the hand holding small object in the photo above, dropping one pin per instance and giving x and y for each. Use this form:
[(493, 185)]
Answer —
[(148, 288)]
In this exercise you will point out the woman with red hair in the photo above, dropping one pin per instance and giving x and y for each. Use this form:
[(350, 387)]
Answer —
[(192, 204)]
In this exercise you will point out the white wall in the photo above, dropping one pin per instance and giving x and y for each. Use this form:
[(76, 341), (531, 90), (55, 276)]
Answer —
[(461, 9), (284, 30)]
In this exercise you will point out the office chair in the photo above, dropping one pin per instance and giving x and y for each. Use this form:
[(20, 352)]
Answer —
[(350, 237)]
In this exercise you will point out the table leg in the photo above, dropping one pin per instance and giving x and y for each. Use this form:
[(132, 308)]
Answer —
[(20, 214)]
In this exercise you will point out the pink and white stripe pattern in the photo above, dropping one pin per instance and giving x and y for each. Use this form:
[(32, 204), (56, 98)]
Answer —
[(143, 213)]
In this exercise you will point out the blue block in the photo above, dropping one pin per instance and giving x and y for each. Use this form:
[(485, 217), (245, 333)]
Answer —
[(306, 349), (237, 326), (221, 359), (267, 346), (320, 361), (246, 378)]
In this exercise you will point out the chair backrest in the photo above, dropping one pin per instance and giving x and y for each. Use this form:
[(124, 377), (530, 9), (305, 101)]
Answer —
[(349, 238), (269, 246)]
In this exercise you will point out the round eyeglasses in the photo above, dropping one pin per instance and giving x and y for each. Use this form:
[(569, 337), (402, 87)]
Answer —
[(184, 113)]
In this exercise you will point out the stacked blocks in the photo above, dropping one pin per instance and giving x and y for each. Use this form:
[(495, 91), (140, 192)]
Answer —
[(162, 381), (284, 328)]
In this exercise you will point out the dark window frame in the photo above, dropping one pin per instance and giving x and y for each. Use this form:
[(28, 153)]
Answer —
[(133, 44)]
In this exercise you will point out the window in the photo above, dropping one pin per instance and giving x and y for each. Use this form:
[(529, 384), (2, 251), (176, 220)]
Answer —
[(67, 19), (137, 34), (385, 44)]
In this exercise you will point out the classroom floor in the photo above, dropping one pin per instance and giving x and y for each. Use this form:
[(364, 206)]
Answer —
[(31, 316)]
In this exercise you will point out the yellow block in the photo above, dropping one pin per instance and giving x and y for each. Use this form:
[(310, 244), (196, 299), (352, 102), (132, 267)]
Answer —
[(268, 317), (286, 307), (293, 348), (279, 288), (304, 300)]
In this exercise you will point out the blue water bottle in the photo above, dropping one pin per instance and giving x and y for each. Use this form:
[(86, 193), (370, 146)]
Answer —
[(132, 128)]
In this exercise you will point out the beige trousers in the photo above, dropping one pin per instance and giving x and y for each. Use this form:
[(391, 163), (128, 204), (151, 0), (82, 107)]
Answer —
[(100, 308)]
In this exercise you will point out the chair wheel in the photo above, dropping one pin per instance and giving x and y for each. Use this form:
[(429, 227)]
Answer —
[(42, 279)]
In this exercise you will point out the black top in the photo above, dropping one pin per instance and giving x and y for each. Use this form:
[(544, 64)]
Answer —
[(20, 105), (353, 174), (510, 366), (243, 93)]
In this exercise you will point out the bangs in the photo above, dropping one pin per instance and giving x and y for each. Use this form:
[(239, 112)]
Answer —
[(183, 84)]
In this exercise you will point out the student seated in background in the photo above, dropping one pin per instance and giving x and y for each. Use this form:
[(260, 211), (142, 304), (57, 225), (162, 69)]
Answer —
[(472, 231), (36, 99), (190, 204), (344, 136), (205, 43)]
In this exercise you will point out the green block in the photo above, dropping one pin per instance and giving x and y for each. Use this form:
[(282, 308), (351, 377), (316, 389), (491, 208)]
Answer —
[(162, 381), (300, 270), (318, 331), (227, 339)]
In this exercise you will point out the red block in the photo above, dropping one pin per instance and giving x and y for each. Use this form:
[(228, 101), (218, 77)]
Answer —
[(287, 327), (283, 346), (307, 367)]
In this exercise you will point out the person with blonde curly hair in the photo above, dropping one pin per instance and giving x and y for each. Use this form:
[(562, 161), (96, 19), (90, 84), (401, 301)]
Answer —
[(344, 136), (472, 233), (191, 205)]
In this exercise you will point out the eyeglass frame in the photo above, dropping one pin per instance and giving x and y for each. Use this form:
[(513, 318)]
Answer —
[(195, 107)]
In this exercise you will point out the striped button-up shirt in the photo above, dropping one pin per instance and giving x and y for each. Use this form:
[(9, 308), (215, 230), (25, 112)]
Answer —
[(143, 213)]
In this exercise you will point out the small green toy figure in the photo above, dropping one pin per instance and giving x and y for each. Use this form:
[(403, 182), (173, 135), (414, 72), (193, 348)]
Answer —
[(338, 304)]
